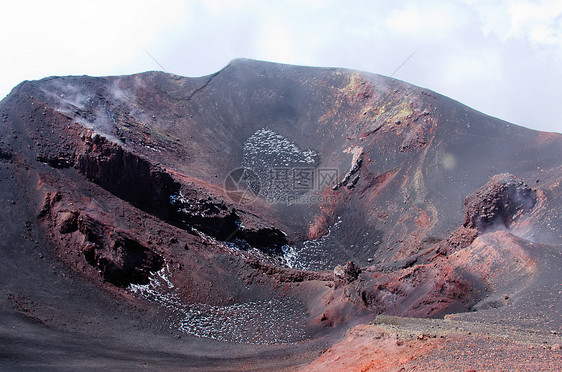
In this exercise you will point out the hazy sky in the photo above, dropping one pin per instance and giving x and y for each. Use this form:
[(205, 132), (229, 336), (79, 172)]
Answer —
[(503, 58)]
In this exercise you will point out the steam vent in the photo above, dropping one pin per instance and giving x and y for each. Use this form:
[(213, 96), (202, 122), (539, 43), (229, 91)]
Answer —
[(274, 217)]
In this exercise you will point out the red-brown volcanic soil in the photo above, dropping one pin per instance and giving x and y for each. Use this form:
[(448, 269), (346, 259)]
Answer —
[(274, 217)]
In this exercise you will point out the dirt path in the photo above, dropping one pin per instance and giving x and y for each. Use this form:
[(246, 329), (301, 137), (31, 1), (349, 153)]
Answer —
[(392, 343)]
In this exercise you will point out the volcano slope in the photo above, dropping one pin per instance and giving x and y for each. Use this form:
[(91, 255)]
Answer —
[(248, 219)]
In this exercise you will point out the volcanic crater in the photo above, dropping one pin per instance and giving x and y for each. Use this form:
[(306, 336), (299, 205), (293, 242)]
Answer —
[(272, 216)]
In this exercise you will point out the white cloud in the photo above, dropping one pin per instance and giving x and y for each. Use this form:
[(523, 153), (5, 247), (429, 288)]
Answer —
[(277, 42), (536, 20), (40, 38), (470, 64), (539, 22), (418, 20)]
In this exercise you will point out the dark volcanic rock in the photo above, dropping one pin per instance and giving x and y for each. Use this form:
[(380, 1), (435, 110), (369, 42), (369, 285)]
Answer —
[(120, 259), (125, 262), (68, 222), (500, 201), (5, 155), (348, 273), (125, 174)]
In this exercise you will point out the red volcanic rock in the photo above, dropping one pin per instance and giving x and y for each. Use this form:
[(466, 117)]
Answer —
[(462, 237), (459, 239), (123, 262), (351, 271), (372, 348), (120, 259), (348, 273), (68, 222), (427, 290), (499, 202)]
